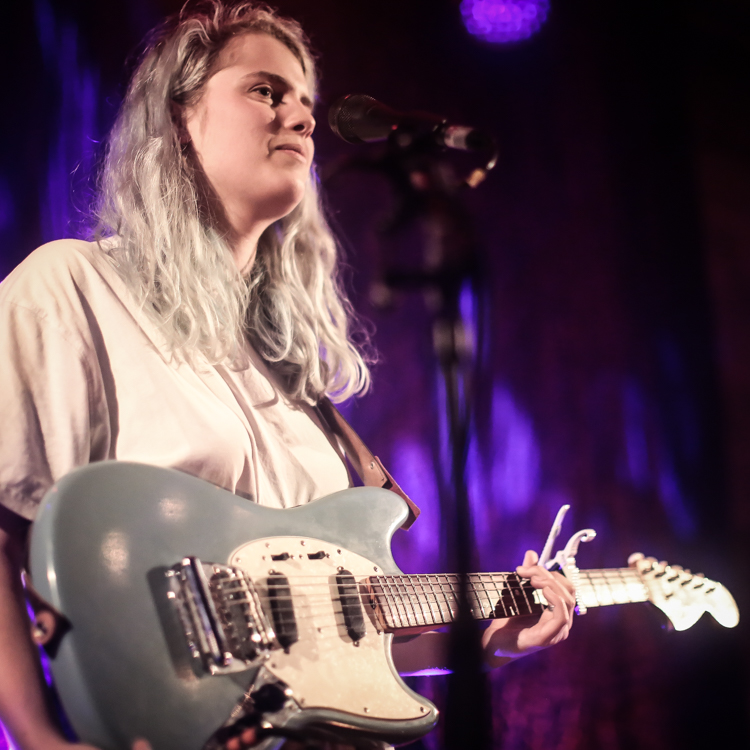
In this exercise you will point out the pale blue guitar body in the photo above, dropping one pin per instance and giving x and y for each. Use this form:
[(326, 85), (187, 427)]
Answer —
[(103, 548)]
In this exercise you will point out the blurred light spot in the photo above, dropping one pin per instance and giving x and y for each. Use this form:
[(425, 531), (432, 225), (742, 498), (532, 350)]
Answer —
[(6, 205), (115, 553), (634, 426), (172, 509), (673, 501), (419, 550), (73, 152), (504, 21), (515, 465), (5, 740)]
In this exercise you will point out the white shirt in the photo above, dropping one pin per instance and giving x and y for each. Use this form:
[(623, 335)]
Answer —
[(85, 376)]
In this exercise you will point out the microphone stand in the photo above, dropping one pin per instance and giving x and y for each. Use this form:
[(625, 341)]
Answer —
[(427, 189)]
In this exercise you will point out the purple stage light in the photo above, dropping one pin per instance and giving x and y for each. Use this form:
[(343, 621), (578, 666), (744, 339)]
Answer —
[(504, 21)]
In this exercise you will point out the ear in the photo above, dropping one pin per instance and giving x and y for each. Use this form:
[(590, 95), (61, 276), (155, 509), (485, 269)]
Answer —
[(178, 118)]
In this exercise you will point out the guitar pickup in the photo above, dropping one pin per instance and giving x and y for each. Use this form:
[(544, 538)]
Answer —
[(282, 610), (351, 605)]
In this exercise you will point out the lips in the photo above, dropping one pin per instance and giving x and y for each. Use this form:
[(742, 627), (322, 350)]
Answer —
[(293, 148)]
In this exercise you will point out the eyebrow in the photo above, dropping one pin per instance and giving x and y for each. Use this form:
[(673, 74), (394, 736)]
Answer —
[(280, 81)]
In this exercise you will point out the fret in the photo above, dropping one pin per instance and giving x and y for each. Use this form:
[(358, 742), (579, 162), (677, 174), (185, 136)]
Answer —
[(439, 614), (501, 600), (441, 619), (473, 594), (388, 599), (600, 588), (527, 596), (404, 601), (446, 588), (513, 586), (483, 590), (414, 580), (381, 602), (409, 601), (395, 597), (498, 583)]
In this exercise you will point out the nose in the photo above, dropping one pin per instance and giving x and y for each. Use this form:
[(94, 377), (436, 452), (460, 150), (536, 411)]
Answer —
[(299, 118)]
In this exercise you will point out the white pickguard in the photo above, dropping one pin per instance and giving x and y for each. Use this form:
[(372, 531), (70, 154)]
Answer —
[(326, 668)]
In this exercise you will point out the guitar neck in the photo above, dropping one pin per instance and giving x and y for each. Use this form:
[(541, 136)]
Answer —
[(422, 601)]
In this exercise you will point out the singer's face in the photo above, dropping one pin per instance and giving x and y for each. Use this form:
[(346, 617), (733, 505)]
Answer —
[(251, 130)]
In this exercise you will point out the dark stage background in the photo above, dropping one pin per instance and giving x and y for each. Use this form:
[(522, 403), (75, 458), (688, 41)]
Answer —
[(614, 369)]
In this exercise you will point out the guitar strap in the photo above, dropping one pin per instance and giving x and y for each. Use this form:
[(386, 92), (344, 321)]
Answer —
[(369, 467)]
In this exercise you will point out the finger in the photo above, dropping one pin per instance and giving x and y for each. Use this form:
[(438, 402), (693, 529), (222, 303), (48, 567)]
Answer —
[(530, 558), (141, 744), (233, 744), (552, 628), (556, 621), (526, 571), (539, 578), (249, 737), (564, 588)]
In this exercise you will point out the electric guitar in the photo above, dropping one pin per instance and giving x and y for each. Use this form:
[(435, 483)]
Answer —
[(188, 612)]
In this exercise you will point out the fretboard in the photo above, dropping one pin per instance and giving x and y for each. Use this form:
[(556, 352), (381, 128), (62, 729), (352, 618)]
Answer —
[(417, 601)]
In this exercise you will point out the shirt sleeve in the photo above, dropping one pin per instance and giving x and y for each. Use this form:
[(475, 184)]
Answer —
[(49, 398)]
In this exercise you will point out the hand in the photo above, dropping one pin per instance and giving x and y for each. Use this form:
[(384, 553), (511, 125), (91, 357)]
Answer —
[(512, 638), (246, 738)]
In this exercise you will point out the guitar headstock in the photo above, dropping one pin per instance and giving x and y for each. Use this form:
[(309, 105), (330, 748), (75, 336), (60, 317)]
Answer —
[(683, 596)]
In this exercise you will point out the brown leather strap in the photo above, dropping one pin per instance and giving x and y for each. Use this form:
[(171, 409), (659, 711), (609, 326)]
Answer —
[(369, 467)]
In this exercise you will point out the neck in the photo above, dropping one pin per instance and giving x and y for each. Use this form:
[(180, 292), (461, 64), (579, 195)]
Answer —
[(244, 248), (416, 603), (244, 234)]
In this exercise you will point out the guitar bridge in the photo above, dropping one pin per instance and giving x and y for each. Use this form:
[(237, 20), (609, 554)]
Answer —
[(221, 614)]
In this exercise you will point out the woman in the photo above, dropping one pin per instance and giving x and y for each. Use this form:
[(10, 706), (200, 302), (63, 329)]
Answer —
[(200, 328)]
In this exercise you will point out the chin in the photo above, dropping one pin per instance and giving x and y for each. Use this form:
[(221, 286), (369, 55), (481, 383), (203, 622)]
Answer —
[(291, 200)]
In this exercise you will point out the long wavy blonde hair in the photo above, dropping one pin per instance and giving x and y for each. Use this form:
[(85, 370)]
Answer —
[(170, 249)]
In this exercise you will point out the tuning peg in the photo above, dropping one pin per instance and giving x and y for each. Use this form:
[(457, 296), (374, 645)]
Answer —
[(676, 570), (659, 568)]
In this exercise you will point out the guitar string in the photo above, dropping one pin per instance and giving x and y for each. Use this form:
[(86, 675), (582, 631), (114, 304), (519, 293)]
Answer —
[(406, 603), (418, 595), (405, 609), (306, 581), (429, 611), (340, 626), (617, 591), (407, 615), (616, 577), (415, 590), (305, 612)]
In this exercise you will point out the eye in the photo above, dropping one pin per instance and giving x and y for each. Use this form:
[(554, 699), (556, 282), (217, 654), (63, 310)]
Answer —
[(266, 92)]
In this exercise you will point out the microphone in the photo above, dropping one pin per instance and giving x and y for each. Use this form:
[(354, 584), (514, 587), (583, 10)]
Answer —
[(358, 118)]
